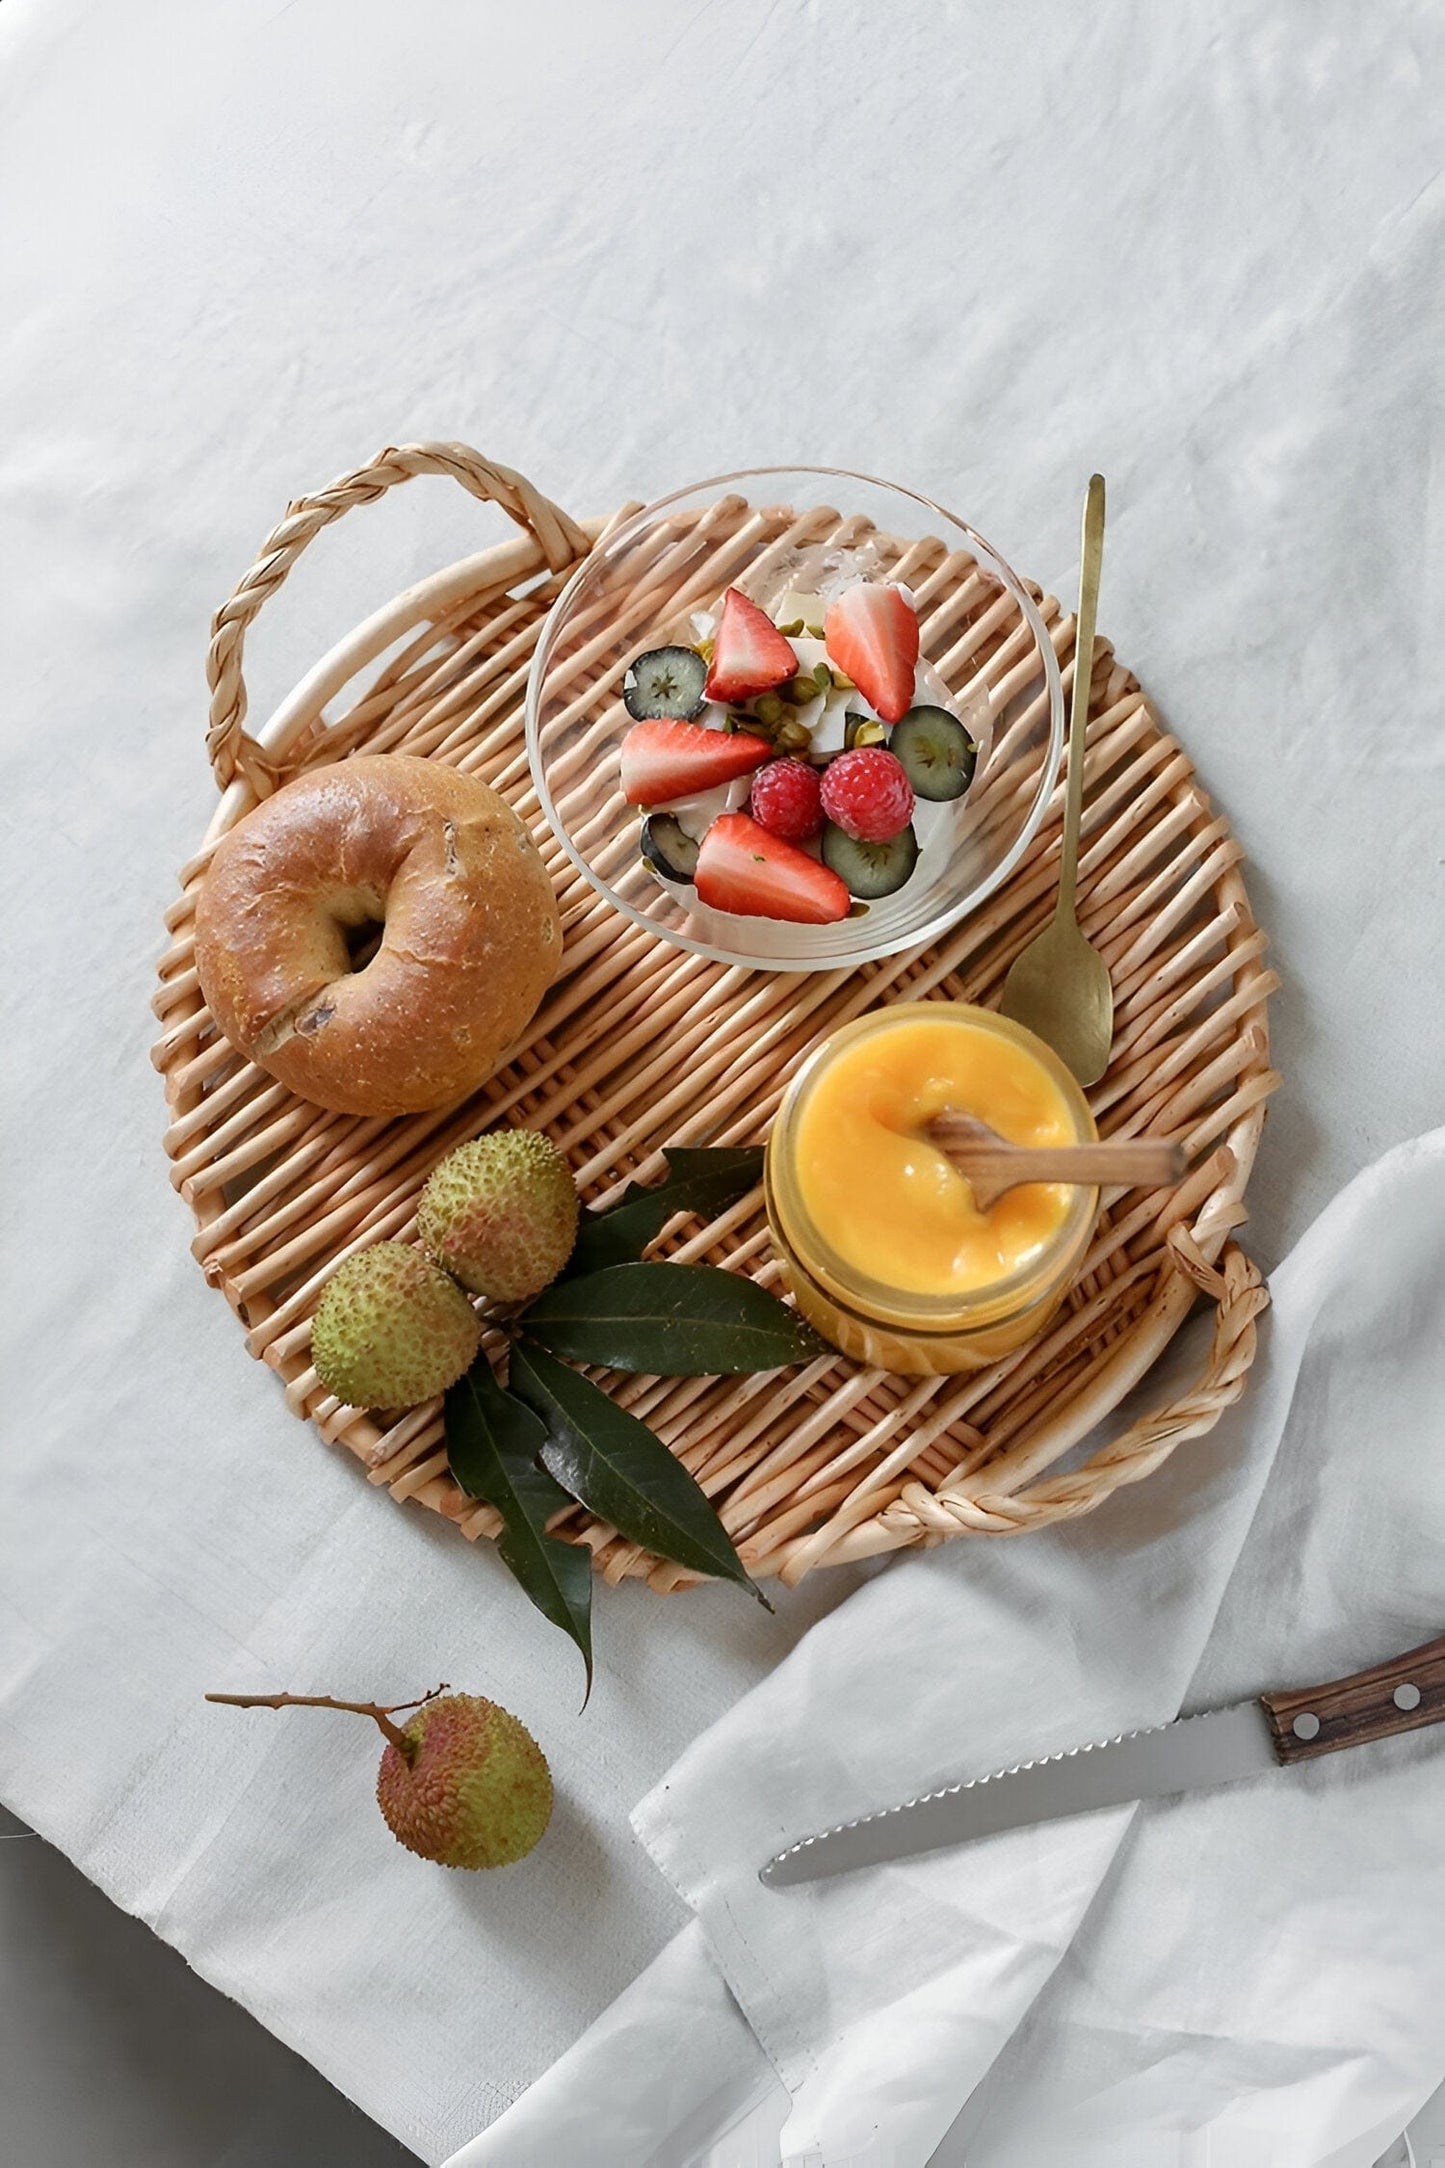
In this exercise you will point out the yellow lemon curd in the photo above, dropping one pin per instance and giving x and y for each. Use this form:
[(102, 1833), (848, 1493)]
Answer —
[(886, 1200), (880, 1239)]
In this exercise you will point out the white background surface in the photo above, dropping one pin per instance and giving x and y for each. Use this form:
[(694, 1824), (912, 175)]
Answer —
[(1260, 1965), (981, 251)]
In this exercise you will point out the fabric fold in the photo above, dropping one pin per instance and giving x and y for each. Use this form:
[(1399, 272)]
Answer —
[(1145, 1972)]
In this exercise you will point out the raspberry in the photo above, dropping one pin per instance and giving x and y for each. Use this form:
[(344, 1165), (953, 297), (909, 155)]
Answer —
[(867, 794), (787, 800)]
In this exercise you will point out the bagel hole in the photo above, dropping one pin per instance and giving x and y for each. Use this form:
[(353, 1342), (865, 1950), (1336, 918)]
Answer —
[(362, 942)]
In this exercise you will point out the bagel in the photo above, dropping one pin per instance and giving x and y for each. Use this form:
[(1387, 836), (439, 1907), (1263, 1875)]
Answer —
[(289, 912)]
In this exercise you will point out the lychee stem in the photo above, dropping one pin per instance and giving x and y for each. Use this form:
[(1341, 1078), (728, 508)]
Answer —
[(375, 1709)]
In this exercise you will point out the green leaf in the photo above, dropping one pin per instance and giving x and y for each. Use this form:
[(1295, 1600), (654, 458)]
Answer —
[(704, 1182), (622, 1472), (677, 1320), (493, 1444)]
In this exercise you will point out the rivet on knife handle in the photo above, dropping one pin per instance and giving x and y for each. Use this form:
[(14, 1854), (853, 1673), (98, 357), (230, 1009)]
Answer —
[(1400, 1695)]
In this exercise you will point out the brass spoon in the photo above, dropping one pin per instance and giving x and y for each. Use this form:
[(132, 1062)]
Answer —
[(991, 1165), (1059, 987)]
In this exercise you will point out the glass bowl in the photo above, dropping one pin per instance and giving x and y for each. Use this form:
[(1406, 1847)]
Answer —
[(767, 530)]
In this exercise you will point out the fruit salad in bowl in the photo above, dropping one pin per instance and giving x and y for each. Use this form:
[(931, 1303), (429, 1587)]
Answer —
[(794, 770), (799, 725)]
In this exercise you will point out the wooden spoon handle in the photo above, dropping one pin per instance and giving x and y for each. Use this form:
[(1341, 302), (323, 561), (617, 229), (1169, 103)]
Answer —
[(1135, 1162)]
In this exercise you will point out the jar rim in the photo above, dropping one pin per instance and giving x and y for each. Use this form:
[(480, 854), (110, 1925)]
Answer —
[(876, 1299)]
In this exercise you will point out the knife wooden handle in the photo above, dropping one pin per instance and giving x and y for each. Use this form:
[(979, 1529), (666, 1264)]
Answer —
[(1400, 1695)]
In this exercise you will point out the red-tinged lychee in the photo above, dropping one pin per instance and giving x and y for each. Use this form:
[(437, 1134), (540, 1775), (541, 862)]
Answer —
[(462, 1782), (468, 1786)]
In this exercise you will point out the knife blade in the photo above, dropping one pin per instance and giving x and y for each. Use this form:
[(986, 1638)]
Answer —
[(1190, 1754)]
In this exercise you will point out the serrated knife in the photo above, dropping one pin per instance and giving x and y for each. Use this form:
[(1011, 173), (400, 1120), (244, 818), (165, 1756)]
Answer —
[(1194, 1752)]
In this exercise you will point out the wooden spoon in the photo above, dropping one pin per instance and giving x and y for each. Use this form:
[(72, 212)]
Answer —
[(1059, 987), (991, 1165)]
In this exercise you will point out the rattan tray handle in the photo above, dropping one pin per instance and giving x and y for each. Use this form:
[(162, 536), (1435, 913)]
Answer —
[(559, 538), (985, 1505)]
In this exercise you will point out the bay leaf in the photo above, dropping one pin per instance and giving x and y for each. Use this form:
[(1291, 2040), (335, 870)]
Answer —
[(675, 1320), (700, 1180), (494, 1443), (621, 1471)]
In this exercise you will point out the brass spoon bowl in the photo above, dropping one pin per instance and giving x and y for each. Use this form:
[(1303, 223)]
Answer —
[(1059, 987)]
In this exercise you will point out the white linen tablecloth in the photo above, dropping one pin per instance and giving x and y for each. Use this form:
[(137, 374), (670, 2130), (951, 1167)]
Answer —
[(1253, 1974), (981, 251)]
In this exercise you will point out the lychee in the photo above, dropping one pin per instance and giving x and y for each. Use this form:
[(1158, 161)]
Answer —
[(390, 1329), (468, 1786), (463, 1783), (500, 1214)]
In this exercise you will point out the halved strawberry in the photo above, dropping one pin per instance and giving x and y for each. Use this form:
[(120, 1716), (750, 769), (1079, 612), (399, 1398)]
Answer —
[(749, 655), (663, 760), (871, 633), (742, 869)]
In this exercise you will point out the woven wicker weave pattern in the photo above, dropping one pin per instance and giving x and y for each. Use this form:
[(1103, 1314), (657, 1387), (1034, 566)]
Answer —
[(640, 1045)]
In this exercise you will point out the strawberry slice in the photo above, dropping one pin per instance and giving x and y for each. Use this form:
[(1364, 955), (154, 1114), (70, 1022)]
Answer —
[(749, 655), (871, 633), (742, 869), (663, 759)]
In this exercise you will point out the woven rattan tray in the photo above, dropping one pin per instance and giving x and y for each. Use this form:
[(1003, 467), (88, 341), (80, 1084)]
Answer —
[(640, 1044)]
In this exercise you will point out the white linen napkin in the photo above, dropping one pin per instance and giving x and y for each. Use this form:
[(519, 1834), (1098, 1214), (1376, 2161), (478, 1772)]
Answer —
[(1259, 1970)]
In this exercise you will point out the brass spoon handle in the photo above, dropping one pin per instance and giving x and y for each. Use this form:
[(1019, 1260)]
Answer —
[(990, 1169), (1093, 559)]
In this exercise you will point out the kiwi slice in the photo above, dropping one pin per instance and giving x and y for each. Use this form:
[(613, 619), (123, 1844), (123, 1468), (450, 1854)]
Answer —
[(668, 848), (937, 753), (666, 681), (870, 870)]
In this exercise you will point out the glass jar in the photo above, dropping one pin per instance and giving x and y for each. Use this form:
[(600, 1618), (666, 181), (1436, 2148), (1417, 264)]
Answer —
[(901, 1329)]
